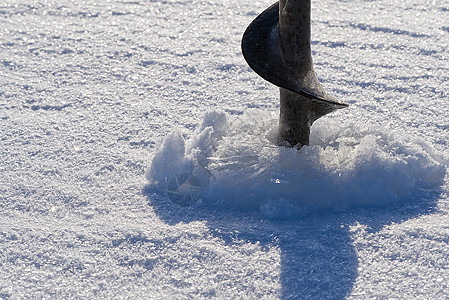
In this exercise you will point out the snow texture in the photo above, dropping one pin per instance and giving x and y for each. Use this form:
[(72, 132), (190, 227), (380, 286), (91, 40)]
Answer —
[(97, 97)]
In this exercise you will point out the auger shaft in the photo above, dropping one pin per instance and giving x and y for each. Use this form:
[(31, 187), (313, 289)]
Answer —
[(297, 113), (276, 46), (294, 34)]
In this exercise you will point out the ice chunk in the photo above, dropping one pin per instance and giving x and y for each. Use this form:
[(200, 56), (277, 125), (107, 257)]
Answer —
[(169, 161)]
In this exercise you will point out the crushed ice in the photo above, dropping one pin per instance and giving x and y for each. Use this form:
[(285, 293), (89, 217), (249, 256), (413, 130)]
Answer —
[(236, 163)]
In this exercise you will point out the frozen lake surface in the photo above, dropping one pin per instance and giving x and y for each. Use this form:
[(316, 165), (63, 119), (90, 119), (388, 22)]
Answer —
[(103, 103)]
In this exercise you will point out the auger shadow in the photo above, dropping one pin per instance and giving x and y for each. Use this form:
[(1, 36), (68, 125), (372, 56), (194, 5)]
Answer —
[(318, 260)]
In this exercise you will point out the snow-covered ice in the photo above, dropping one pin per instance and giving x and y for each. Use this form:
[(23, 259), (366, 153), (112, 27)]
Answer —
[(103, 102)]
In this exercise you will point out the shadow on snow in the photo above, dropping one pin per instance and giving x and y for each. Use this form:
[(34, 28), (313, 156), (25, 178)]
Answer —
[(318, 259)]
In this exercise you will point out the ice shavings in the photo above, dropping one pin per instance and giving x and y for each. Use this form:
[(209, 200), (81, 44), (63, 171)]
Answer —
[(347, 165), (169, 161)]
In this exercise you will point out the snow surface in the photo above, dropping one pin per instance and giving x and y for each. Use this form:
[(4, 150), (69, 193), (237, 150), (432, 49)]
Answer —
[(103, 102)]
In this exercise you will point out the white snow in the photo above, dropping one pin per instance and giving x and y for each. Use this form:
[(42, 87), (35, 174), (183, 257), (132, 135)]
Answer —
[(103, 102)]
